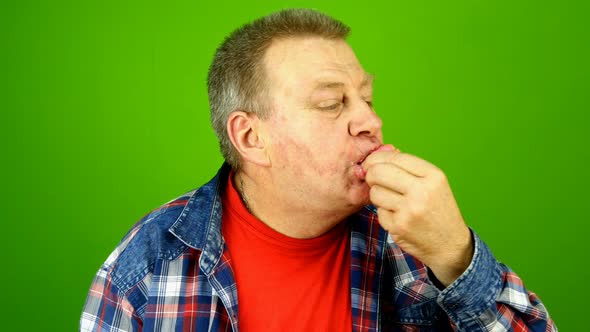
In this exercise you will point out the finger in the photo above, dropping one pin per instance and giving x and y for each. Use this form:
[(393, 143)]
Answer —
[(387, 219), (411, 164), (386, 199), (386, 147), (390, 176)]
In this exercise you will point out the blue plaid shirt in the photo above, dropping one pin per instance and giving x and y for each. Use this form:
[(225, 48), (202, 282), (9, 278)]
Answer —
[(172, 272)]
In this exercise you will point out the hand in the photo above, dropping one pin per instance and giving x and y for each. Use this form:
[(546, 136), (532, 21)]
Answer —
[(416, 206)]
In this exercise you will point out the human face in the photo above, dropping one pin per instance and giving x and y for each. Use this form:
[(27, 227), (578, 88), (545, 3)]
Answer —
[(322, 122)]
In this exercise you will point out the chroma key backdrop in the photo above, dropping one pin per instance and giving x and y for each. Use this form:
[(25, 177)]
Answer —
[(105, 117)]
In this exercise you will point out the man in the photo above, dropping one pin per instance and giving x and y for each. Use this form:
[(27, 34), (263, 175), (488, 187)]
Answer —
[(313, 224)]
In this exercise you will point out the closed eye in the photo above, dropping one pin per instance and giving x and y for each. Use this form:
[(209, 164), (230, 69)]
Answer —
[(332, 107)]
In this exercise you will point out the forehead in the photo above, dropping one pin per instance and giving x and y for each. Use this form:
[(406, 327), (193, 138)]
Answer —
[(301, 64)]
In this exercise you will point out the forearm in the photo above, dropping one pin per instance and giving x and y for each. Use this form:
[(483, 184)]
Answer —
[(488, 296)]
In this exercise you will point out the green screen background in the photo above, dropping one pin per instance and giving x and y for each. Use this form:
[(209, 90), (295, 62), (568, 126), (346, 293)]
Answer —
[(105, 117)]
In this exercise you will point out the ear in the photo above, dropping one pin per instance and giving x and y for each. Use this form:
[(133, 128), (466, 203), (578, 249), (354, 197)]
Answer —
[(242, 128)]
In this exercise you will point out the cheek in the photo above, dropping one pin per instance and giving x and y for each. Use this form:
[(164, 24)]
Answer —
[(301, 158)]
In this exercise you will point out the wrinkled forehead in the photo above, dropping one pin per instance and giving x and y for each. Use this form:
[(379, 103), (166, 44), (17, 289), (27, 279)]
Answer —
[(297, 66)]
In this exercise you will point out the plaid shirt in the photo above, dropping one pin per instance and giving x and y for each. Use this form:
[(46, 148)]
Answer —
[(172, 272)]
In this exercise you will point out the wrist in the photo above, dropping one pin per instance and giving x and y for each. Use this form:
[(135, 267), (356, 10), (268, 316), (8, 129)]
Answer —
[(449, 267)]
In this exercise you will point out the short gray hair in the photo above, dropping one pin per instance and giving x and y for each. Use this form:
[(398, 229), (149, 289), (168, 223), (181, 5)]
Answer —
[(236, 79)]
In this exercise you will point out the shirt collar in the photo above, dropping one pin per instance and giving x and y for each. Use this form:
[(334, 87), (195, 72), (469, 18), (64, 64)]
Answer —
[(199, 223)]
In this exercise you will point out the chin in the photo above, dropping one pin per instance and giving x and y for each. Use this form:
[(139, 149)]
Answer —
[(359, 195)]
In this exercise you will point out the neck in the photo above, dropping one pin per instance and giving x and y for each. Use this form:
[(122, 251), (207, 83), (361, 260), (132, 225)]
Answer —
[(275, 209)]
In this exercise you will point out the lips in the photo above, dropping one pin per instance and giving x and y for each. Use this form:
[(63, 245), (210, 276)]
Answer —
[(359, 171), (368, 153)]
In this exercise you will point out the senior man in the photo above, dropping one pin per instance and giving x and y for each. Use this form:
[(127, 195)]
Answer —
[(313, 223)]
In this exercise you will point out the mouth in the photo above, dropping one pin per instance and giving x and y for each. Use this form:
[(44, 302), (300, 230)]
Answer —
[(359, 171), (368, 154)]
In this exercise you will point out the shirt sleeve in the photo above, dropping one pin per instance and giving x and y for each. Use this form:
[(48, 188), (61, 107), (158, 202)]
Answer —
[(106, 309), (489, 296)]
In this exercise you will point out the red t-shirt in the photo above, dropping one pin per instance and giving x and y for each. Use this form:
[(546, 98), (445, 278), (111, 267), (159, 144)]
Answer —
[(286, 284)]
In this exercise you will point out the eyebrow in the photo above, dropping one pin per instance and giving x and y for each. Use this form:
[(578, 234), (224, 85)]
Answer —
[(367, 80)]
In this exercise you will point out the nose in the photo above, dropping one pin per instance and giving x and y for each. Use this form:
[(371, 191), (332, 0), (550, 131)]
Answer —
[(364, 121)]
